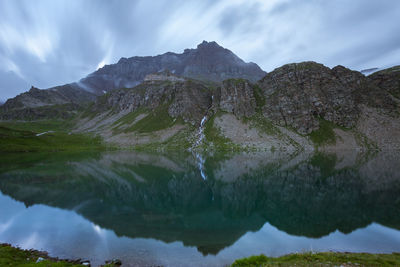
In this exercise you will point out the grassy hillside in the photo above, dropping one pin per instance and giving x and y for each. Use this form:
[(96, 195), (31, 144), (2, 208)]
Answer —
[(44, 136)]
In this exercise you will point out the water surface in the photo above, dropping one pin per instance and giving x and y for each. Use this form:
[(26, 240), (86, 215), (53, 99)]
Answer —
[(184, 209)]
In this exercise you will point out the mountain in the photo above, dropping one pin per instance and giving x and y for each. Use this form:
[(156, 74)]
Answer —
[(297, 106), (389, 79), (45, 103), (209, 99), (208, 62)]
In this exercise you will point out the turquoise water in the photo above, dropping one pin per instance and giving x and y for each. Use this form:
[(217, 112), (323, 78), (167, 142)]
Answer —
[(191, 210)]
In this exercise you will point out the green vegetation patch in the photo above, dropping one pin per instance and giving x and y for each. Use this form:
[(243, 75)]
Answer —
[(263, 124), (10, 256), (130, 117), (322, 259), (325, 134), (127, 120), (39, 125), (158, 119), (23, 137)]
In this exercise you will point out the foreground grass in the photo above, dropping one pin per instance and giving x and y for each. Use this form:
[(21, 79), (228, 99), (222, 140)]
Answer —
[(10, 256), (22, 137), (322, 259)]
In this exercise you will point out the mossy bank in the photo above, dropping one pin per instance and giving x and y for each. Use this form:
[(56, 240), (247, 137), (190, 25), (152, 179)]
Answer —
[(322, 259)]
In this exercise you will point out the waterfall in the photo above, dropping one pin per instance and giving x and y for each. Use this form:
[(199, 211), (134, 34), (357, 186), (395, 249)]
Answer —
[(200, 138), (200, 134)]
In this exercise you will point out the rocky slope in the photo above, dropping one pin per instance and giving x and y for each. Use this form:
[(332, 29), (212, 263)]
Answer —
[(208, 61), (297, 106), (46, 103)]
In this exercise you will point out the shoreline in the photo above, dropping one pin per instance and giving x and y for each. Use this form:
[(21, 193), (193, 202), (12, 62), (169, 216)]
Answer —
[(14, 256), (11, 255)]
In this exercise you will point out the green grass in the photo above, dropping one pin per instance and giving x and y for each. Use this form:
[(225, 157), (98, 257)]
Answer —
[(127, 120), (157, 119), (325, 134), (21, 137), (130, 117), (322, 259), (263, 124), (39, 126), (10, 256)]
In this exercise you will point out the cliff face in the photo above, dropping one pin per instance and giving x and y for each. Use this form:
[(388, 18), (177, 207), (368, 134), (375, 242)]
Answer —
[(388, 80), (297, 95), (237, 96), (290, 108), (209, 62)]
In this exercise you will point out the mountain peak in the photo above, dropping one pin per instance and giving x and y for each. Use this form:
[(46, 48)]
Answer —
[(208, 62), (208, 45)]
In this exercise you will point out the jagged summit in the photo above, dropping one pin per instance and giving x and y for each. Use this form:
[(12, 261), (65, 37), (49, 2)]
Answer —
[(209, 61)]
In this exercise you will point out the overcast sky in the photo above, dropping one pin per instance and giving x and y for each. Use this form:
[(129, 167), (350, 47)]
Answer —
[(47, 43)]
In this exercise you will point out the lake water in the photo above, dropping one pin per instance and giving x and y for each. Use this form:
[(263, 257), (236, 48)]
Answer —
[(192, 210)]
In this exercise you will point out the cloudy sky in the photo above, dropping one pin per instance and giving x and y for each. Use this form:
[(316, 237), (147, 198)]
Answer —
[(52, 42)]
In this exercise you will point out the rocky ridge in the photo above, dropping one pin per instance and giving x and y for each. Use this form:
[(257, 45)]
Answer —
[(40, 103), (208, 62), (283, 110), (211, 91)]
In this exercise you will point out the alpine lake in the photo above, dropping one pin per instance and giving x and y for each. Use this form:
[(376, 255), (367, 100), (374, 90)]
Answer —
[(187, 209)]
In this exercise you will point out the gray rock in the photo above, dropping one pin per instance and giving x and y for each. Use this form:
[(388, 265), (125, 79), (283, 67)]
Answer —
[(297, 95), (208, 61), (237, 96), (388, 80), (189, 100)]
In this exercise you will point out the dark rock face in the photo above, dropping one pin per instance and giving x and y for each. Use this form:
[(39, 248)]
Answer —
[(35, 100), (388, 80), (189, 100), (297, 94), (237, 96), (208, 61)]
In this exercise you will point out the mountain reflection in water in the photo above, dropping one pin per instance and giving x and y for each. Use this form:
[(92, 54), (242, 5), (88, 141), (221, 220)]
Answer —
[(164, 197)]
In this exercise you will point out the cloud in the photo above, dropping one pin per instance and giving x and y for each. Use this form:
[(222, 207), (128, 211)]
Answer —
[(47, 43)]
